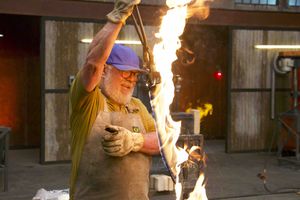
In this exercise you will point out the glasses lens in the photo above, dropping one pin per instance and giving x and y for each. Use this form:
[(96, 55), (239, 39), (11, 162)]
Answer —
[(128, 74)]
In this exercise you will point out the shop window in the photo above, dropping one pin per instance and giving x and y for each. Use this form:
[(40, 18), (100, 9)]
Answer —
[(259, 2), (294, 2)]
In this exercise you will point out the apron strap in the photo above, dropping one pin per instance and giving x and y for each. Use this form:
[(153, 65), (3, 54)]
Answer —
[(105, 106)]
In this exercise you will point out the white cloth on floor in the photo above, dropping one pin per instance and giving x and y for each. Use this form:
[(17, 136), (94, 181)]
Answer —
[(43, 194)]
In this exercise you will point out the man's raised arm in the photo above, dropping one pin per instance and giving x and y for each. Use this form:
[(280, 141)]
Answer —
[(103, 42)]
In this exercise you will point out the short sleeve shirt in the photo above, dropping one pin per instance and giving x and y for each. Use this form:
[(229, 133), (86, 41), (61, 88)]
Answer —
[(84, 107)]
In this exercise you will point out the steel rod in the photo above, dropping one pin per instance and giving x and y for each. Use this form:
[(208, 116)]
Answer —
[(138, 30), (273, 85), (141, 26), (295, 94)]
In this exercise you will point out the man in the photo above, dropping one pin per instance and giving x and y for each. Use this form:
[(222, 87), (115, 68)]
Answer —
[(113, 135)]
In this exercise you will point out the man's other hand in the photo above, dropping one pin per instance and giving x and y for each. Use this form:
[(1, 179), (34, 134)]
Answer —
[(119, 141)]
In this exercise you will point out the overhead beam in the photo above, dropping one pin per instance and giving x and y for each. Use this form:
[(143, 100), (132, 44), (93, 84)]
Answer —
[(151, 14), (267, 19)]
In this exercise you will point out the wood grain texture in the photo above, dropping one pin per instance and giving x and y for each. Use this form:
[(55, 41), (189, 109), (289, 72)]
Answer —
[(250, 127), (249, 121), (57, 133)]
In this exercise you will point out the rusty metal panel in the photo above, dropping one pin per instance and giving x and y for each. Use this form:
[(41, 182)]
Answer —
[(57, 133)]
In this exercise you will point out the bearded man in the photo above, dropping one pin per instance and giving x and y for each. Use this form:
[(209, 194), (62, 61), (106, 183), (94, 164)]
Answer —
[(113, 135)]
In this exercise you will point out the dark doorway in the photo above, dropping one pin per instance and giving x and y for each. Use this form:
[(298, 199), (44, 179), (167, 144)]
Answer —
[(20, 81), (208, 46)]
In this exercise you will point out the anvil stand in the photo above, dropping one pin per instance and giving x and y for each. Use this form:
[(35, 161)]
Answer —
[(194, 166), (292, 128)]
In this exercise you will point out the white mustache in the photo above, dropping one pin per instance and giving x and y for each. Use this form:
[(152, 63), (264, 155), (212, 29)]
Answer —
[(128, 84)]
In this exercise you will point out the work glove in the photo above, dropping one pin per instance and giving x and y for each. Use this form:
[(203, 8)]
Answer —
[(122, 10), (119, 141)]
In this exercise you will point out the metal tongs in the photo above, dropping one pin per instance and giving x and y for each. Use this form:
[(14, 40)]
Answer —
[(153, 77)]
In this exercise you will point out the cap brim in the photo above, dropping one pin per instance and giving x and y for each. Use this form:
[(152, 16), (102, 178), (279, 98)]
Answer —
[(129, 68)]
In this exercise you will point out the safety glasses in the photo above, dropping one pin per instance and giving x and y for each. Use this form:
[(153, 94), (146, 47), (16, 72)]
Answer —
[(126, 74), (129, 74)]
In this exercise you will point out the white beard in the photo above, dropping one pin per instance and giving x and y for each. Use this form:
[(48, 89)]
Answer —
[(114, 93)]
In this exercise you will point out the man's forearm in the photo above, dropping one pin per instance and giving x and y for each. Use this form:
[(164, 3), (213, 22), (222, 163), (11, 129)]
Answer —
[(98, 53), (103, 42), (151, 145)]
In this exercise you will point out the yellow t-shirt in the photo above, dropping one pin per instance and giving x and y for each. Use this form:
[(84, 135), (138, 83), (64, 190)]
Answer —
[(84, 108)]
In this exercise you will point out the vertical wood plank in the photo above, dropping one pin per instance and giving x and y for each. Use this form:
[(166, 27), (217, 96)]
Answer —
[(250, 125)]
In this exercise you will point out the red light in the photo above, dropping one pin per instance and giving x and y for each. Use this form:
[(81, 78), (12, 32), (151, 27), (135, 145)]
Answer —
[(218, 75)]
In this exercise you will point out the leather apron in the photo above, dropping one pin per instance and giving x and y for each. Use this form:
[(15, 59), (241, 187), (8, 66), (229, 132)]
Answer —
[(112, 178)]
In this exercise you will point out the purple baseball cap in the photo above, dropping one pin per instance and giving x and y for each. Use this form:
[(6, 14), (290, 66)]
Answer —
[(124, 58)]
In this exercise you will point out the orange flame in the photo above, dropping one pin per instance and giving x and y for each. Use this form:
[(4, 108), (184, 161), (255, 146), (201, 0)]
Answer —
[(164, 52), (198, 9)]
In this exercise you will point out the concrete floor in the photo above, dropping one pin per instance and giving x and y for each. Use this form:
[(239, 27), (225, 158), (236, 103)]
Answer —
[(229, 176)]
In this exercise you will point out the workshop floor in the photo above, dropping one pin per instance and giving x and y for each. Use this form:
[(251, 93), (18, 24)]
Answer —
[(229, 176)]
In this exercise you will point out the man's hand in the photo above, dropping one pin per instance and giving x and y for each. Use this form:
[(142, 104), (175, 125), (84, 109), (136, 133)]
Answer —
[(122, 10), (120, 141)]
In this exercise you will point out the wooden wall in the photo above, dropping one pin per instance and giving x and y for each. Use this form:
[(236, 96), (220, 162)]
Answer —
[(250, 127), (64, 54)]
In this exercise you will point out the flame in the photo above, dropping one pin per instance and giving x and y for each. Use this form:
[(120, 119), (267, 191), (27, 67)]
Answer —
[(199, 192), (205, 110), (199, 9), (164, 52)]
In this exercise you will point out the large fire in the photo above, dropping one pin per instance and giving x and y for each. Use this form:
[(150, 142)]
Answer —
[(164, 53)]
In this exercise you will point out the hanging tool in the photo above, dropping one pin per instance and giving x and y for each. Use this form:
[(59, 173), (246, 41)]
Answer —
[(153, 81), (153, 76)]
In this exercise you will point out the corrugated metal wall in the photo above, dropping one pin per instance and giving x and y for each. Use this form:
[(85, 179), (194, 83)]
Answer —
[(250, 126)]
